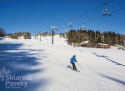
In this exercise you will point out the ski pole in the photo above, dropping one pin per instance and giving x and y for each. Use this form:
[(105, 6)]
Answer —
[(80, 66)]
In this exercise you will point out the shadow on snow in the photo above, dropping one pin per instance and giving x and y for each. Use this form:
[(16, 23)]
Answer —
[(1, 38), (81, 51), (113, 79), (19, 63), (106, 57), (69, 67)]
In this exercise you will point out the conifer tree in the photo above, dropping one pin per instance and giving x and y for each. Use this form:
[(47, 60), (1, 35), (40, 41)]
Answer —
[(99, 40), (118, 38)]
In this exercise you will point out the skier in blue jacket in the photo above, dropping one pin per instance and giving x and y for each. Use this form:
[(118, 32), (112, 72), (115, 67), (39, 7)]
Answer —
[(73, 60)]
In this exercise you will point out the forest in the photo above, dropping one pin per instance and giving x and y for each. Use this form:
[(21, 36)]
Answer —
[(93, 37)]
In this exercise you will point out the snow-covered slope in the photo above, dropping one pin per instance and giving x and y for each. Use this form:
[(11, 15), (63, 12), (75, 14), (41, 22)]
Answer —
[(50, 69)]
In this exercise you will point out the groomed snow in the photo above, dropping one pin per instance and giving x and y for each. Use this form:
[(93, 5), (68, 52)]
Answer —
[(50, 68)]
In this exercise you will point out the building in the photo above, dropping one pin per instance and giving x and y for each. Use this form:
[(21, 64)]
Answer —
[(101, 45)]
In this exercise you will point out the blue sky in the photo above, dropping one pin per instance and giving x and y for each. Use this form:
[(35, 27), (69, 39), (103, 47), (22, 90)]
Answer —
[(38, 15)]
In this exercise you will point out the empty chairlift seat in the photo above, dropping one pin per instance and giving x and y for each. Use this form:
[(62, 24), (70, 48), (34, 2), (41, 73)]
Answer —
[(106, 12)]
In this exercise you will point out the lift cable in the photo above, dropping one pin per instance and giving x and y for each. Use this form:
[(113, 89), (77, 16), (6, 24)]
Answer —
[(86, 13), (100, 17), (118, 10), (90, 20), (97, 18)]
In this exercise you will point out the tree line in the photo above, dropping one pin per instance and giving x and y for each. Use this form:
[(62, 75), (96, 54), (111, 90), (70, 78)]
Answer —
[(76, 37), (2, 32), (18, 35)]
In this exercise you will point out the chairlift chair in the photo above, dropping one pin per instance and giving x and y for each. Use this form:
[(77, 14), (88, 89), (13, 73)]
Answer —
[(106, 12), (57, 29), (83, 27), (65, 30), (70, 24)]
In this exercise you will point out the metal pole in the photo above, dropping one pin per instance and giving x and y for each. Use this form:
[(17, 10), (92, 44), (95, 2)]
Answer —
[(104, 6), (35, 35), (52, 35), (40, 36), (80, 66)]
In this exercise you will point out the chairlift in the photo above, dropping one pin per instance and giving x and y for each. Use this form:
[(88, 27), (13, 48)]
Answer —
[(65, 30), (70, 24), (82, 27), (50, 28), (106, 12), (57, 29), (40, 32)]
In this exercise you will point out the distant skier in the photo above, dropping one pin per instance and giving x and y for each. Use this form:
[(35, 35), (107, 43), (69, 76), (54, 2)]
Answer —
[(73, 60)]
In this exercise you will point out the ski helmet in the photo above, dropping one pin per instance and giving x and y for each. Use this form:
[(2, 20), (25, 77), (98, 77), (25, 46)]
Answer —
[(74, 56)]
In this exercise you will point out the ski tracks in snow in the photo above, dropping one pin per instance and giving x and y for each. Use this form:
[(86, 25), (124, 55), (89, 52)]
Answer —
[(108, 59)]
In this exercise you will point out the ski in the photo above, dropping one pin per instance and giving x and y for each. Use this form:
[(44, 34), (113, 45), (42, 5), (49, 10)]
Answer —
[(77, 71)]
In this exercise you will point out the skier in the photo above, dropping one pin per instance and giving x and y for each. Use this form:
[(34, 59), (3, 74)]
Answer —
[(73, 60)]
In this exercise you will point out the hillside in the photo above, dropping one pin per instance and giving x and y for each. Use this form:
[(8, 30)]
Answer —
[(48, 66)]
